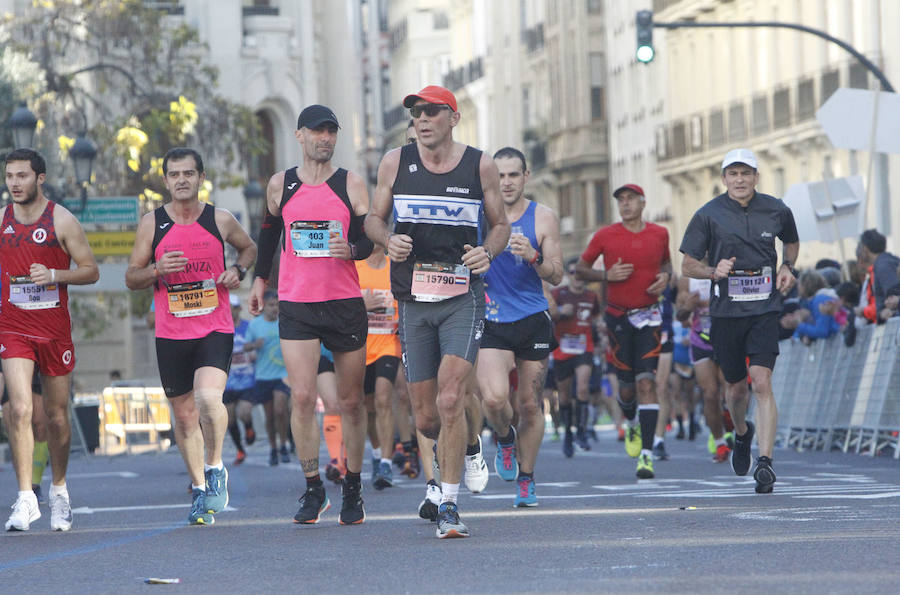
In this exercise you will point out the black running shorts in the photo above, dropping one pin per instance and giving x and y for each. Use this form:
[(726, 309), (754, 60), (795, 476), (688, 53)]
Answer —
[(736, 339), (178, 359), (635, 351), (530, 338), (385, 366), (341, 325)]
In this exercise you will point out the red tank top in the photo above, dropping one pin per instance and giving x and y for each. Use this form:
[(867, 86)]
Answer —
[(189, 304), (26, 309)]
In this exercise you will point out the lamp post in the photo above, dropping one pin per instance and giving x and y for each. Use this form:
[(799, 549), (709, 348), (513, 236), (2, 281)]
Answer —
[(83, 153), (23, 124), (255, 196)]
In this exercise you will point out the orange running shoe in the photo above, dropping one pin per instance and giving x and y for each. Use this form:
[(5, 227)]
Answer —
[(241, 455), (722, 454), (621, 434)]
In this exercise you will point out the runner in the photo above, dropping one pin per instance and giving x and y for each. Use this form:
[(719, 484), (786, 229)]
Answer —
[(735, 232), (179, 250), (38, 243), (320, 209), (438, 190), (518, 332), (636, 271), (238, 396)]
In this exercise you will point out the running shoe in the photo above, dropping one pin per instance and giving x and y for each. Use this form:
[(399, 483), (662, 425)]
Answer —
[(568, 446), (333, 472), (399, 458), (711, 444), (525, 496), (476, 471), (448, 522), (592, 434), (581, 440), (383, 477), (722, 453), (693, 430), (659, 452), (216, 490), (249, 435), (505, 463), (554, 437), (645, 467), (740, 456), (38, 493), (352, 511), (633, 440), (729, 439), (411, 466), (727, 422), (60, 512), (680, 434), (199, 514), (428, 508), (240, 458), (273, 458), (312, 504), (620, 434), (285, 455), (24, 512), (764, 475)]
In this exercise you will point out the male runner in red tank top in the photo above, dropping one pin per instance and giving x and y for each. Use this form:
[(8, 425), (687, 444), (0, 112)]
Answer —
[(38, 242)]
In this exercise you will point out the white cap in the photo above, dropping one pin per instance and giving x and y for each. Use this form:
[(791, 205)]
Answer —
[(744, 156), (235, 300)]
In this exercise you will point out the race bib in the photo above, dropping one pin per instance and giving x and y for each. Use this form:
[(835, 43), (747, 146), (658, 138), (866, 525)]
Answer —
[(750, 285), (25, 294), (436, 282), (641, 317), (383, 321), (705, 324), (309, 239), (573, 344), (193, 299)]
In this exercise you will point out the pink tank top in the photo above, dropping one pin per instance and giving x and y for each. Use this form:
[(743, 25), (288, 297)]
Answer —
[(310, 213), (189, 304)]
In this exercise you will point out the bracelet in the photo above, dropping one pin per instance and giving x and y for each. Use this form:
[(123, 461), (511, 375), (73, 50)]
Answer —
[(489, 255), (155, 271), (712, 274), (52, 275)]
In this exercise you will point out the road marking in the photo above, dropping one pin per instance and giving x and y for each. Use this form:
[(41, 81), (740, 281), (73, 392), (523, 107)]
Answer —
[(89, 510), (124, 474)]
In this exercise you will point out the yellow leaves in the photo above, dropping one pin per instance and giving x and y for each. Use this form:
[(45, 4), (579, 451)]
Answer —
[(148, 194), (48, 4), (156, 166), (205, 191), (132, 139), (65, 143), (183, 114)]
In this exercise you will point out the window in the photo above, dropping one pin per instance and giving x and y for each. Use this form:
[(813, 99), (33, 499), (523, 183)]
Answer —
[(781, 108), (601, 203), (597, 95), (859, 76), (565, 204), (760, 115), (830, 82), (594, 6), (526, 107), (716, 128), (737, 124), (806, 101)]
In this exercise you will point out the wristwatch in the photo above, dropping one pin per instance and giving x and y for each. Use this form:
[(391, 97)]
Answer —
[(241, 271), (790, 267), (538, 259)]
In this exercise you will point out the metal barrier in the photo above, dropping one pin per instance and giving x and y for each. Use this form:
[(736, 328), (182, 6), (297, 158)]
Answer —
[(831, 396), (134, 418)]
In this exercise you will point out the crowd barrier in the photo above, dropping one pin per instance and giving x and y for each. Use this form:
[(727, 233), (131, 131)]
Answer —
[(134, 419), (831, 396)]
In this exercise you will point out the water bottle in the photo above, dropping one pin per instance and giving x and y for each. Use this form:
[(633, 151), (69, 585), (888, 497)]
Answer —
[(517, 230)]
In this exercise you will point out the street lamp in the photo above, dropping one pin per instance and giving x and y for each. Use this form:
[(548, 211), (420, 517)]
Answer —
[(83, 153), (255, 196), (23, 124)]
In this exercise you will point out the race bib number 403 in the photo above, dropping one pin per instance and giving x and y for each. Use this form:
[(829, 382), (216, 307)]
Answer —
[(309, 239), (25, 294), (436, 282)]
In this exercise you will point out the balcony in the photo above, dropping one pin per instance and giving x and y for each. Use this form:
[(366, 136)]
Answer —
[(260, 11), (462, 76)]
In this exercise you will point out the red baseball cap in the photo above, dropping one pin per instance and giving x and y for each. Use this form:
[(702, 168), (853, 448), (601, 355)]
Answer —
[(633, 187), (432, 94)]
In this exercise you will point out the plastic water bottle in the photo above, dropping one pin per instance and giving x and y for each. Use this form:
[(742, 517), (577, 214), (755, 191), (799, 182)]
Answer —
[(517, 230)]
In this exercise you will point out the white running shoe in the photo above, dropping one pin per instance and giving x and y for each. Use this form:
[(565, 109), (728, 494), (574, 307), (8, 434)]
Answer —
[(477, 473), (24, 512), (60, 512)]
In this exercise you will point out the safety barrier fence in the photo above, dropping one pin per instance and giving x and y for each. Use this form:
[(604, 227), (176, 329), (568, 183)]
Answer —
[(831, 396), (134, 419)]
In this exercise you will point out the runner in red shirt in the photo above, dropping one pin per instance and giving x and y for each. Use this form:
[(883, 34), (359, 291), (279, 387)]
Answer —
[(38, 242), (636, 270)]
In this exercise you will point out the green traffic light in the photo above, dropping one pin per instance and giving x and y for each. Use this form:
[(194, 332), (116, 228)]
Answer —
[(645, 54)]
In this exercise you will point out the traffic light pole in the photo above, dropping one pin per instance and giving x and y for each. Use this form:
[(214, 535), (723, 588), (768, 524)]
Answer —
[(885, 85)]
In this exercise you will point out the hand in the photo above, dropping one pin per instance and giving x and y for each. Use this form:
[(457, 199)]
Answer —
[(724, 268), (40, 274), (338, 247), (171, 262), (829, 308), (229, 278), (567, 310), (520, 246), (892, 302), (373, 301), (619, 271), (785, 280), (476, 259), (399, 246), (659, 284), (257, 290), (789, 321)]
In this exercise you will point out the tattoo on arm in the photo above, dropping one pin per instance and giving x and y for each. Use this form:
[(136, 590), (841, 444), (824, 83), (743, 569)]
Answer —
[(309, 465)]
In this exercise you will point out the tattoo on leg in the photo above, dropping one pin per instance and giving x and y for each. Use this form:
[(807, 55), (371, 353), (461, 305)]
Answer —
[(310, 465), (537, 387)]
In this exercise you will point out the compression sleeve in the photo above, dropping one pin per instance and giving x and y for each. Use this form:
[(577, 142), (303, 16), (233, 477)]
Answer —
[(360, 244), (269, 234)]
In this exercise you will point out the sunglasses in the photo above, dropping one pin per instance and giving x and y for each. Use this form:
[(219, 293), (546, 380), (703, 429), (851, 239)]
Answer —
[(430, 109)]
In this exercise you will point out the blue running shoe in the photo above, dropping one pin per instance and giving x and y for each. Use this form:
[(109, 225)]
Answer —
[(216, 490), (505, 463), (448, 522), (525, 496), (199, 514), (384, 476)]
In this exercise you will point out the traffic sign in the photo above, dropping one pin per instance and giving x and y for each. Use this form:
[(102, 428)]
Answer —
[(118, 210), (827, 213), (111, 243), (847, 120)]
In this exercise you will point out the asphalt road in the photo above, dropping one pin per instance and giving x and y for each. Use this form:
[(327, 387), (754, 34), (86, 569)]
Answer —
[(831, 526)]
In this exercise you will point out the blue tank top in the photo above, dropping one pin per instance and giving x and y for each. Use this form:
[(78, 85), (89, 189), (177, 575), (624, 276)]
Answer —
[(513, 290)]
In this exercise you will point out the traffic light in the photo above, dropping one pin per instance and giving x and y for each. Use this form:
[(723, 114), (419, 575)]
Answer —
[(644, 22)]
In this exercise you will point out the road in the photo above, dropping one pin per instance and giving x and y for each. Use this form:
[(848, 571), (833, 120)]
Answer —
[(832, 526)]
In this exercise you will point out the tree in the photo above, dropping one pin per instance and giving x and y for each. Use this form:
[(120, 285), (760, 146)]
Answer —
[(136, 80)]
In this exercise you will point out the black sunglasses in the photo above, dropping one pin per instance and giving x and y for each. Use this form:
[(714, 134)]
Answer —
[(430, 109)]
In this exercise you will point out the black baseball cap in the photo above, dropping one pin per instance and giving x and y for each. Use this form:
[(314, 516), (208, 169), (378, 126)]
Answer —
[(315, 115)]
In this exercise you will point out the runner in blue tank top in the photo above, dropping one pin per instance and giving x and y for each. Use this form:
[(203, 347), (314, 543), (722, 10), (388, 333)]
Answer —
[(518, 332)]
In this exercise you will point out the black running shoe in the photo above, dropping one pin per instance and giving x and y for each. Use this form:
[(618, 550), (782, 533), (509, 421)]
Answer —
[(659, 452), (352, 512), (581, 440), (312, 504), (568, 446), (764, 475), (740, 456)]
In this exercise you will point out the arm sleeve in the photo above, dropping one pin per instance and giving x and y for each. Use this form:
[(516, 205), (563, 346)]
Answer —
[(360, 244), (269, 234)]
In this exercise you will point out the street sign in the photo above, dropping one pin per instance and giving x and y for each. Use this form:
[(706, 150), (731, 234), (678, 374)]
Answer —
[(111, 243), (847, 120), (118, 210), (827, 213)]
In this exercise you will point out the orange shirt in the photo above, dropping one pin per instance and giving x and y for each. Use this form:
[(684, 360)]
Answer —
[(383, 339)]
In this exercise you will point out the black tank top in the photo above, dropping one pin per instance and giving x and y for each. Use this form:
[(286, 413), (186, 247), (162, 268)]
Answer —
[(440, 212)]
